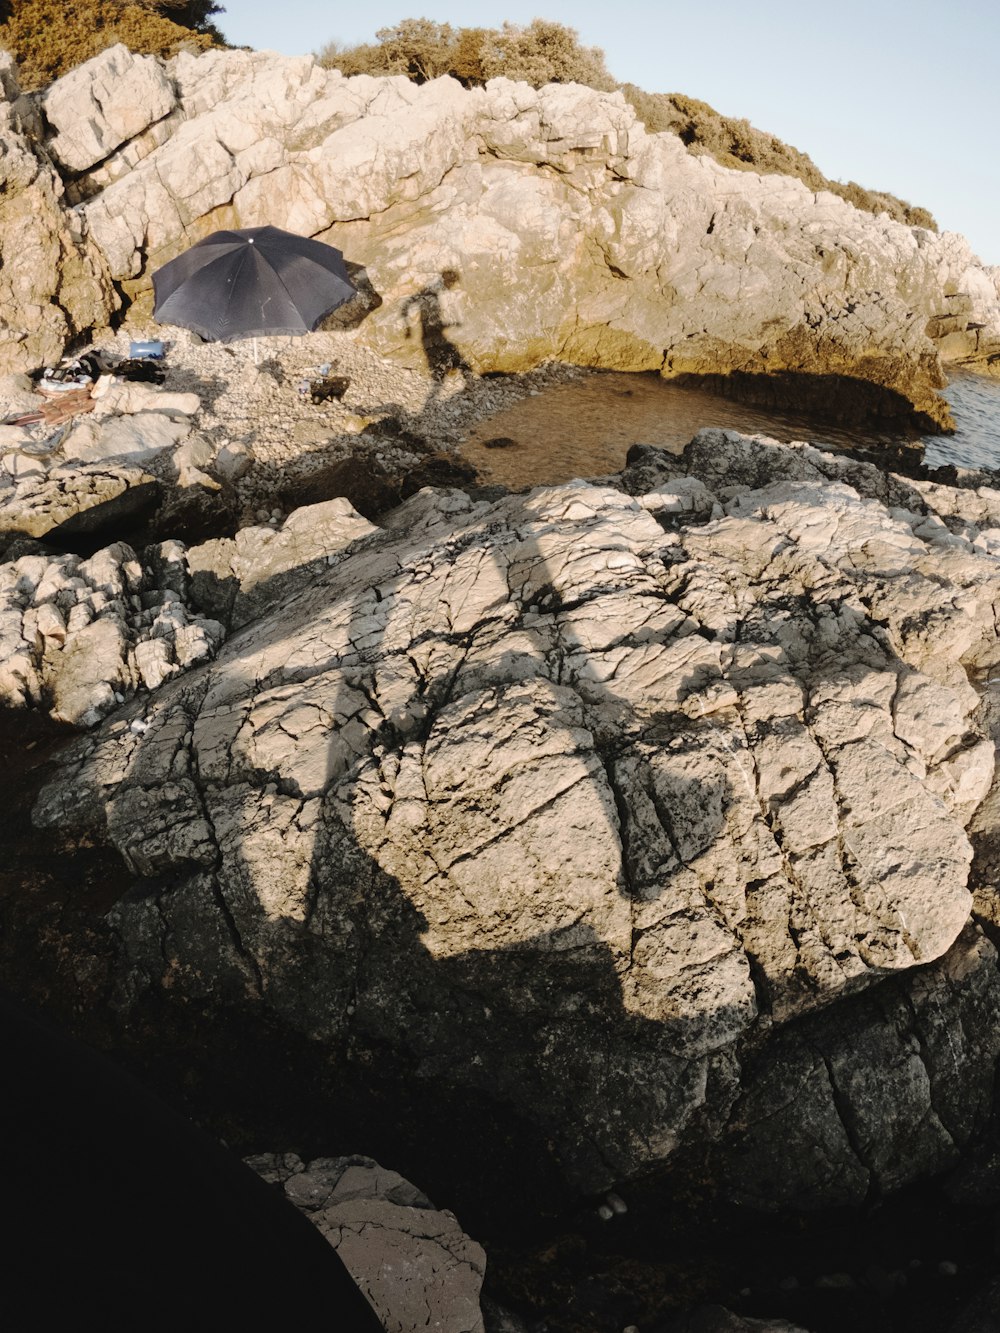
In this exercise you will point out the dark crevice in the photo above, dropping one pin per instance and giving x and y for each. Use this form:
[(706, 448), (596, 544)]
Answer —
[(252, 967), (842, 1106)]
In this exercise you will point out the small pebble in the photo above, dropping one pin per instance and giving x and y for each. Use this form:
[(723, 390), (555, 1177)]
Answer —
[(947, 1268), (138, 727), (119, 698), (617, 1203), (605, 1213), (836, 1282)]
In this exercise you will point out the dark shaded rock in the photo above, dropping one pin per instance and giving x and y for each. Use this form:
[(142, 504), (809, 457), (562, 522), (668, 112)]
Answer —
[(85, 1131), (717, 1319), (371, 485)]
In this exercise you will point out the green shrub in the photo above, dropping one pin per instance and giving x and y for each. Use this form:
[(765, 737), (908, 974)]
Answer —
[(544, 52), (420, 49), (194, 14), (417, 48)]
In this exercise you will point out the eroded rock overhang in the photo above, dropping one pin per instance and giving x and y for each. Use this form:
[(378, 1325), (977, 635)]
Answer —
[(539, 224)]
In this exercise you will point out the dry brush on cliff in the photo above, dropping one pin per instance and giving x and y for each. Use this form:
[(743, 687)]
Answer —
[(545, 52), (48, 38)]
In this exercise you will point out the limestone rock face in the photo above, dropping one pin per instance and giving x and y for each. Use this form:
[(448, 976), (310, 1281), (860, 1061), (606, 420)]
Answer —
[(242, 577), (79, 637), (102, 103), (499, 227), (77, 498), (53, 281), (572, 800), (503, 226)]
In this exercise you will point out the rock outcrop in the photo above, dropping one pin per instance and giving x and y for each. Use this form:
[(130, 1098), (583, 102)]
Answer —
[(104, 103), (502, 226), (81, 636), (718, 719), (54, 282)]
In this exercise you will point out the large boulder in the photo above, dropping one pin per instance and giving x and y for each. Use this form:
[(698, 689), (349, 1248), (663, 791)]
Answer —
[(104, 102), (564, 806)]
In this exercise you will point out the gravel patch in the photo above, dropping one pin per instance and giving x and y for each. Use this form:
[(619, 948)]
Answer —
[(265, 407)]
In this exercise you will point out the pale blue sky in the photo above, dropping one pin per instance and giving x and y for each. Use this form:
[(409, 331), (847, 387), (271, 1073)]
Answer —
[(897, 96)]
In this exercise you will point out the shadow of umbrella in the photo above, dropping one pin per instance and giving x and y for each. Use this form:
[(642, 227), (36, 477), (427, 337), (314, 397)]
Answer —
[(251, 283)]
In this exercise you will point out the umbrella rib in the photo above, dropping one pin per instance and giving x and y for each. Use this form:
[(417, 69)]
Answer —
[(291, 298)]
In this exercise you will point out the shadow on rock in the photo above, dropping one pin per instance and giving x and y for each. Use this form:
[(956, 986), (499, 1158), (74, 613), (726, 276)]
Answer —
[(469, 854)]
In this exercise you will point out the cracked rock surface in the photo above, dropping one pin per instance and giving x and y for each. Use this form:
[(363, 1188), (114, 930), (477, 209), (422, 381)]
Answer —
[(573, 800), (78, 637), (414, 1263), (82, 635), (54, 281)]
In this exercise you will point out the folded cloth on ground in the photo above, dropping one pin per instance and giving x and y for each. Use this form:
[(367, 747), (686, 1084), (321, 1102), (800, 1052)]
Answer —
[(66, 406), (54, 388), (73, 373)]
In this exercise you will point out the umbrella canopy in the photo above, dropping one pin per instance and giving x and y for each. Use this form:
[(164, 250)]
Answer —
[(249, 283)]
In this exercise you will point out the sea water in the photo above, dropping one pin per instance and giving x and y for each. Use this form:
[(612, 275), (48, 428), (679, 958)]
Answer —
[(584, 428), (975, 405)]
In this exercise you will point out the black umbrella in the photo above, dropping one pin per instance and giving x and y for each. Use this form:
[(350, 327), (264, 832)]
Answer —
[(250, 283)]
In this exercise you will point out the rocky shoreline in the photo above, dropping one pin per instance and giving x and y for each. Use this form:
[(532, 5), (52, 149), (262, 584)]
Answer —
[(537, 225), (754, 685), (614, 859)]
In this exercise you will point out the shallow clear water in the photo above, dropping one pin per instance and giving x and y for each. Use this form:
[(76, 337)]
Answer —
[(586, 427)]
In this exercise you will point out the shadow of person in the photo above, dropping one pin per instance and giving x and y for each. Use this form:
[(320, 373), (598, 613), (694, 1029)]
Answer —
[(424, 311)]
